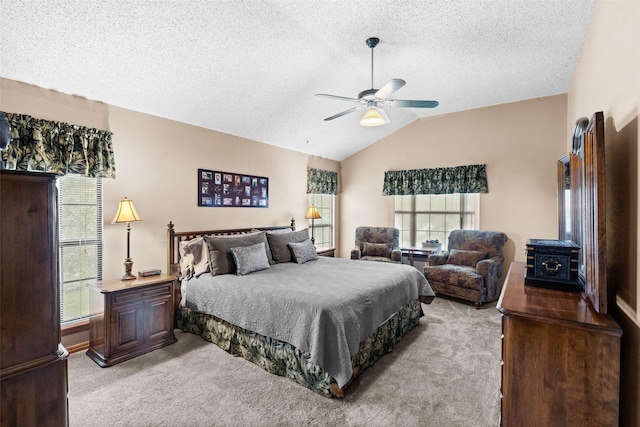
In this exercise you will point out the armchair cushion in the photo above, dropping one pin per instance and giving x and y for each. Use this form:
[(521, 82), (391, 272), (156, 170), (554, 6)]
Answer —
[(377, 258), (468, 258), (457, 275), (376, 249)]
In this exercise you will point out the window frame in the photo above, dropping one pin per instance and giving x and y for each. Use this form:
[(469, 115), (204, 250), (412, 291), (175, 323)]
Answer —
[(325, 203), (469, 205), (63, 244)]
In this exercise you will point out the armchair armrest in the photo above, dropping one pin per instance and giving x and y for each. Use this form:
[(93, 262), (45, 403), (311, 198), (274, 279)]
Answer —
[(491, 270), (438, 259), (486, 267), (396, 255), (355, 253)]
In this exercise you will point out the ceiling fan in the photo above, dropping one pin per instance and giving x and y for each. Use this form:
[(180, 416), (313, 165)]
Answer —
[(373, 99)]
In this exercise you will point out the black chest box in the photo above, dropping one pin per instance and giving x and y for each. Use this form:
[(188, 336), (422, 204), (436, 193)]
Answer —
[(553, 264)]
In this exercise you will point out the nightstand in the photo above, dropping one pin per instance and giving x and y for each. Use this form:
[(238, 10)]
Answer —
[(330, 252), (130, 318)]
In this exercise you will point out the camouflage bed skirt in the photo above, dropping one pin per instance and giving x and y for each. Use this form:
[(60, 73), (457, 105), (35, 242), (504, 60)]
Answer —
[(281, 358)]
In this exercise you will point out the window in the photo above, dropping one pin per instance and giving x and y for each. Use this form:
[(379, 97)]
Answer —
[(323, 227), (80, 242), (433, 216)]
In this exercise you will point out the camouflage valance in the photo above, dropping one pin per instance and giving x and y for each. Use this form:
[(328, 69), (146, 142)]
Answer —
[(59, 148), (459, 179), (321, 181)]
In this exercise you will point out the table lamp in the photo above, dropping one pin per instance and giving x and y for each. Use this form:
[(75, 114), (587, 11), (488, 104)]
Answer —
[(127, 213), (312, 214)]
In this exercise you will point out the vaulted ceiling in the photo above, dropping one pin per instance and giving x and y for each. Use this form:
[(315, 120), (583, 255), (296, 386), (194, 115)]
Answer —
[(251, 68)]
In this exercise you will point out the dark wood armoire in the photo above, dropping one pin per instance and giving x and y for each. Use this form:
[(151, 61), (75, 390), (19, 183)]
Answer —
[(33, 363)]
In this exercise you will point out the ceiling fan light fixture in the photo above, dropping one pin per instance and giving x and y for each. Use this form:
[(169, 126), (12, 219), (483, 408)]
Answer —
[(374, 116), (371, 98)]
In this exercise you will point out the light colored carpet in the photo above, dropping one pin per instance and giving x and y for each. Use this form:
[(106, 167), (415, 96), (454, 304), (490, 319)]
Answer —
[(445, 372)]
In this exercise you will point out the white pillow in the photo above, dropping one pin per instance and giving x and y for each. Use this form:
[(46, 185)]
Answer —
[(194, 257)]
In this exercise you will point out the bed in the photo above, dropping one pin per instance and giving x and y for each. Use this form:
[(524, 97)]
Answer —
[(264, 294)]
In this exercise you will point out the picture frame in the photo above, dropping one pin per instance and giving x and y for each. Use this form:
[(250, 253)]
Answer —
[(232, 190)]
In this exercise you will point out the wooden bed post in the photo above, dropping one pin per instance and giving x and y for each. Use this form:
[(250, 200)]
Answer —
[(170, 247)]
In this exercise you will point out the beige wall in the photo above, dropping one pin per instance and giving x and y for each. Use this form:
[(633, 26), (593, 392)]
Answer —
[(519, 142), (156, 167), (607, 79)]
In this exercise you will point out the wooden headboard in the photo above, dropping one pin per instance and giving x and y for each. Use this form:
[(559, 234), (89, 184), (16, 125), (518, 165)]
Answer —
[(175, 237)]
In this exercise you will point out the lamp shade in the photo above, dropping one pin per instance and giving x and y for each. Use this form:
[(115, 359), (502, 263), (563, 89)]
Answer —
[(374, 117), (313, 213), (126, 212)]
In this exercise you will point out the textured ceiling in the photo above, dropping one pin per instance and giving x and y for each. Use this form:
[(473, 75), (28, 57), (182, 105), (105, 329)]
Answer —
[(251, 68)]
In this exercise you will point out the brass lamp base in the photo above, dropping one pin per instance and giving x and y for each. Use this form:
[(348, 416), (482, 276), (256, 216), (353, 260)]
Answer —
[(128, 264)]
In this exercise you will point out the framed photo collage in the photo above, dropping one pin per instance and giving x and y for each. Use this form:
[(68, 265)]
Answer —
[(226, 189)]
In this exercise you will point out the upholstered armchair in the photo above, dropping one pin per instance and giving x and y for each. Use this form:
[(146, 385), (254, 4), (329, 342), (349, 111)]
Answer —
[(377, 244), (470, 268)]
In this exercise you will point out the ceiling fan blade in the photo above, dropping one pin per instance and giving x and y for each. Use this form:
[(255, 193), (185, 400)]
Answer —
[(341, 98), (406, 103), (391, 86), (350, 110)]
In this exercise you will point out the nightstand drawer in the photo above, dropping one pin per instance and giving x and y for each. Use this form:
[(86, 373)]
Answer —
[(136, 294)]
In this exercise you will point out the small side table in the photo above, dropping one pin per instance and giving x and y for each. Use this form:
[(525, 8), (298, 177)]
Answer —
[(410, 251), (130, 318)]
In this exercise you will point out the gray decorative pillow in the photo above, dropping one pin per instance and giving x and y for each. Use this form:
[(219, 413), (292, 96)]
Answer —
[(220, 256), (279, 243), (250, 258), (303, 251), (376, 249)]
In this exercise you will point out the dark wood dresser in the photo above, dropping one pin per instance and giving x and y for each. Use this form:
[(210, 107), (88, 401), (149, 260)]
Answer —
[(130, 318), (33, 363), (560, 358)]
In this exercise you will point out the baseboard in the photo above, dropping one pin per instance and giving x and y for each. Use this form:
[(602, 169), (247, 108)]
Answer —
[(78, 347)]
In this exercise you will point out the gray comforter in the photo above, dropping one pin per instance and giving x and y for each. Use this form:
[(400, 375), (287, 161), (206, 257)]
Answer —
[(324, 307)]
